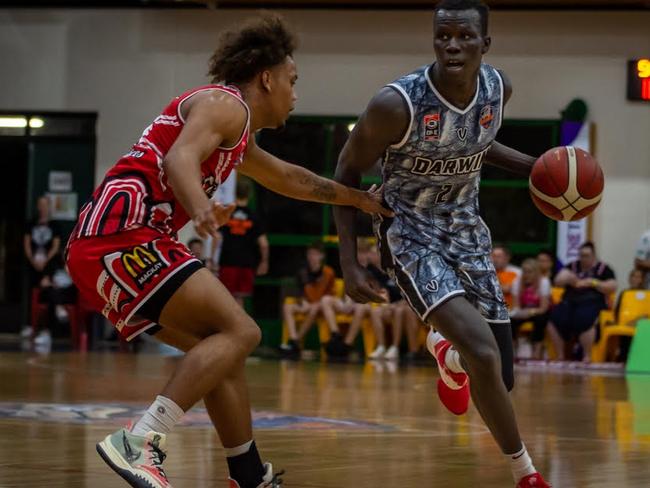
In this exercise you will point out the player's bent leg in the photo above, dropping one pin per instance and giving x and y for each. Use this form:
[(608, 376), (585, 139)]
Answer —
[(202, 307), (503, 335), (229, 409), (467, 330)]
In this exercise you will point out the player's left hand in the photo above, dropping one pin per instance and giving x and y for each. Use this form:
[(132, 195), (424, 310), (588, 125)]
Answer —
[(371, 202), (222, 213)]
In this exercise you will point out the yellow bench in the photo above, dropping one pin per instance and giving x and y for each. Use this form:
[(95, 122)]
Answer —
[(367, 332), (635, 304)]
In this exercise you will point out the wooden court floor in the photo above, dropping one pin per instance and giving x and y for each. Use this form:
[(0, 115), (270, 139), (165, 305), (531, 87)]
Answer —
[(327, 425)]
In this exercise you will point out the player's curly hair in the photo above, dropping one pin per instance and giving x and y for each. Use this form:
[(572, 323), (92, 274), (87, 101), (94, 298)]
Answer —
[(477, 5), (261, 43)]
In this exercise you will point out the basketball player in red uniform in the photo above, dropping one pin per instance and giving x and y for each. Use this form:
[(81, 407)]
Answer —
[(433, 129), (124, 257)]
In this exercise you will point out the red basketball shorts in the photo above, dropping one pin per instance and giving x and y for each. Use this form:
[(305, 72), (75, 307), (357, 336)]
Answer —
[(130, 276), (239, 281)]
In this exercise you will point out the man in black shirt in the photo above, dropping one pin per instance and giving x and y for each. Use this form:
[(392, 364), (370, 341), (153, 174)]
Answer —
[(588, 282), (244, 247), (41, 243)]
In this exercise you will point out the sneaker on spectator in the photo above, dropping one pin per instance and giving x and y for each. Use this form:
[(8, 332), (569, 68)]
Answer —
[(290, 350), (27, 332), (378, 353), (336, 347), (43, 338), (392, 353)]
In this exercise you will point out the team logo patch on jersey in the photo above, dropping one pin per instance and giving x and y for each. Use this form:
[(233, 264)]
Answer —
[(486, 117), (432, 127), (462, 133)]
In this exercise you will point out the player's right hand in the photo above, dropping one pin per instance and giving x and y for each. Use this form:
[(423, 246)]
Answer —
[(360, 287), (208, 221), (372, 202)]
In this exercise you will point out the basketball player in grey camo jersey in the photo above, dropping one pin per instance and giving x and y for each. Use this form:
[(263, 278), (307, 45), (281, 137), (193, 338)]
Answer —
[(434, 129)]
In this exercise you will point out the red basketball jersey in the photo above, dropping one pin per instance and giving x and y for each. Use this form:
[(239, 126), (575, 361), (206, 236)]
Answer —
[(135, 192)]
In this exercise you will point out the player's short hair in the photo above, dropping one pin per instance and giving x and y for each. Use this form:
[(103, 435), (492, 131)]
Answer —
[(261, 43), (243, 188), (477, 5)]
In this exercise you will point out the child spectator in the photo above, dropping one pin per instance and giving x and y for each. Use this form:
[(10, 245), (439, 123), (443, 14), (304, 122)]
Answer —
[(314, 281)]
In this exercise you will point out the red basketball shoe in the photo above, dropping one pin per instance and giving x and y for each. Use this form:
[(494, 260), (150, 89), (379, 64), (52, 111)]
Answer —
[(534, 480), (453, 388)]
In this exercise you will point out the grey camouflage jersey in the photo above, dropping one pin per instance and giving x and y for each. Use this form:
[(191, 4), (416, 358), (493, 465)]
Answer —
[(431, 181)]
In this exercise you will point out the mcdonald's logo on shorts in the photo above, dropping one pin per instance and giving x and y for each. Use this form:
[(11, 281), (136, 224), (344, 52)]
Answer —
[(142, 263)]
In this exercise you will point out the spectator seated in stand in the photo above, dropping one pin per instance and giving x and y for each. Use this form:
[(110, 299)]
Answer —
[(195, 245), (506, 272), (315, 280), (642, 257), (588, 283), (41, 244), (395, 312), (531, 298), (56, 291), (548, 264)]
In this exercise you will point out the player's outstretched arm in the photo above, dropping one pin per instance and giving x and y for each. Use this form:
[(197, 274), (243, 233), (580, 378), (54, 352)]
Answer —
[(384, 123), (211, 120), (505, 157), (297, 182)]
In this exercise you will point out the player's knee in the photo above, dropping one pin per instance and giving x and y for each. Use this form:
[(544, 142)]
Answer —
[(249, 334), (483, 358)]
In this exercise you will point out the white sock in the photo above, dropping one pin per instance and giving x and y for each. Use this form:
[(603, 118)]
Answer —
[(521, 464), (161, 417), (239, 450), (452, 358)]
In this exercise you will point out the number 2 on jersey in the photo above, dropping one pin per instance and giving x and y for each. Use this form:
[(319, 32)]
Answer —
[(443, 194)]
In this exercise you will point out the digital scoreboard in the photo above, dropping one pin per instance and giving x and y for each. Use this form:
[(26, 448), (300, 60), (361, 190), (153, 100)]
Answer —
[(638, 79)]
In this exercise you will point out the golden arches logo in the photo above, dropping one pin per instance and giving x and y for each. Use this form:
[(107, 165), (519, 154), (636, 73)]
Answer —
[(139, 258)]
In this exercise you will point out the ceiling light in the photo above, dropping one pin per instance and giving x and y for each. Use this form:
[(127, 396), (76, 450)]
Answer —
[(36, 123), (13, 122)]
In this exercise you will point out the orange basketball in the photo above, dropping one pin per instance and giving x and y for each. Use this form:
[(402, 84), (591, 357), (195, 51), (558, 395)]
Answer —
[(566, 183)]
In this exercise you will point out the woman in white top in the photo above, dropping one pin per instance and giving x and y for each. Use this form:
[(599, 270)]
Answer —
[(531, 299)]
